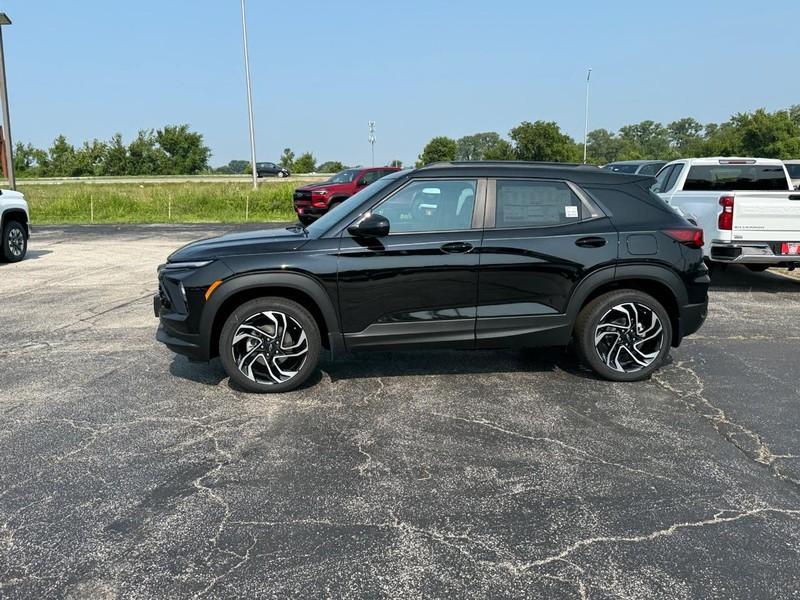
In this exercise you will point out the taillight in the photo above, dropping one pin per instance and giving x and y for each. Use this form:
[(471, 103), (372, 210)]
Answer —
[(691, 237), (725, 221)]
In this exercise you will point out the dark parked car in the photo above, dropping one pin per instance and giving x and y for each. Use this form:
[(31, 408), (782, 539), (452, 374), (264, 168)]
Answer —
[(455, 255), (268, 169), (636, 167), (314, 200)]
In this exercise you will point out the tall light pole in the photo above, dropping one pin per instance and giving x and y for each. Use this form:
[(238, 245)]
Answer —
[(12, 181), (371, 139), (249, 100), (586, 124)]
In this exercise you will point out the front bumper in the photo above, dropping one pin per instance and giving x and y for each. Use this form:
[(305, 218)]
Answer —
[(753, 253)]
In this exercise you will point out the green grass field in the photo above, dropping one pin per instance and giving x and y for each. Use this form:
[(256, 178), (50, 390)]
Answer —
[(195, 202)]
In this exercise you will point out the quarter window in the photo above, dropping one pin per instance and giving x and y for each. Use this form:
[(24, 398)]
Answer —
[(673, 177), (536, 204), (660, 186), (421, 206)]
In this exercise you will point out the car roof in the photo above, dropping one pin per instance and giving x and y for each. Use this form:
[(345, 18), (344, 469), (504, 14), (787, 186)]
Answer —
[(794, 161), (635, 162), (718, 160), (515, 168)]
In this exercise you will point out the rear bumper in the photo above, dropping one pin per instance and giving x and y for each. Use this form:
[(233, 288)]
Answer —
[(754, 253), (691, 318)]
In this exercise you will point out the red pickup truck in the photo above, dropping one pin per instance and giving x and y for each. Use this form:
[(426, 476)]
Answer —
[(313, 201)]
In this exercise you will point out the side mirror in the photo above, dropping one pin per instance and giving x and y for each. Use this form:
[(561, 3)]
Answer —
[(372, 226)]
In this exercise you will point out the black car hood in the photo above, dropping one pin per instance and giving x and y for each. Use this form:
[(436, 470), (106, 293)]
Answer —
[(249, 242)]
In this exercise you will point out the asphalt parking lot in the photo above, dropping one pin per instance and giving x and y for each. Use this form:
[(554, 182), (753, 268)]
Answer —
[(129, 473)]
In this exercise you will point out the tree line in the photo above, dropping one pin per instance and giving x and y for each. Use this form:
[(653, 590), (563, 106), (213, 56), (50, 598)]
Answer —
[(171, 150), (760, 133)]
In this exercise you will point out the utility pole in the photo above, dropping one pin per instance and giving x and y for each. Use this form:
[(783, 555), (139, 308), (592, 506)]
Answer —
[(371, 139), (12, 181), (249, 100), (586, 124)]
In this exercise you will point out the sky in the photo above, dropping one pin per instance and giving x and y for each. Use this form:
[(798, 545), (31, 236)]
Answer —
[(419, 68)]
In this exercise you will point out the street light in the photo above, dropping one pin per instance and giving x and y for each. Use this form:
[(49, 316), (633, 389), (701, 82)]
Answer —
[(249, 101), (586, 125), (371, 139), (12, 182)]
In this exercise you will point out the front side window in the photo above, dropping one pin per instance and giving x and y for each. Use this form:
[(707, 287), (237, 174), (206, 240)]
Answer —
[(650, 169), (673, 177), (536, 204), (660, 186), (438, 205), (370, 177), (794, 170)]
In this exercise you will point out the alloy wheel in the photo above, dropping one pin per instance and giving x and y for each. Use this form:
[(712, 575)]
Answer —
[(16, 241), (629, 337), (269, 347)]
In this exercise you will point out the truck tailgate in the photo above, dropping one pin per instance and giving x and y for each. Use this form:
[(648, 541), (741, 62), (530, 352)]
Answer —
[(766, 216)]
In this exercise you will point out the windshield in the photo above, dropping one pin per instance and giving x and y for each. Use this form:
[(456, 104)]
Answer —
[(327, 220), (794, 171), (344, 176)]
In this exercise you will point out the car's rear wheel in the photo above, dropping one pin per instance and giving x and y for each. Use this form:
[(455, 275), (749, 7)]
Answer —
[(270, 345), (15, 242), (624, 335)]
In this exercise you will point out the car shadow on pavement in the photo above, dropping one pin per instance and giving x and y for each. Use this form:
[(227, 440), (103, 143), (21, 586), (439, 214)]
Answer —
[(367, 365), (31, 255), (736, 278)]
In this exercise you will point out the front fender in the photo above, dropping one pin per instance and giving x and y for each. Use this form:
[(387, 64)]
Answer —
[(270, 279)]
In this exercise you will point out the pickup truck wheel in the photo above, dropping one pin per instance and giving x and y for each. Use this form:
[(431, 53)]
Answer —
[(15, 242), (270, 345), (623, 335), (758, 268)]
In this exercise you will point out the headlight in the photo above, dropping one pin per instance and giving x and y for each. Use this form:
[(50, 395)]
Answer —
[(321, 192), (183, 265)]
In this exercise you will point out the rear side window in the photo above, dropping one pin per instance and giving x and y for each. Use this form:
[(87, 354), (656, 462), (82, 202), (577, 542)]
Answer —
[(794, 171), (727, 178), (660, 186), (673, 177), (535, 204), (622, 168)]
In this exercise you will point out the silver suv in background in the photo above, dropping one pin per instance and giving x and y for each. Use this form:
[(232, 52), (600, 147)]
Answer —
[(635, 167)]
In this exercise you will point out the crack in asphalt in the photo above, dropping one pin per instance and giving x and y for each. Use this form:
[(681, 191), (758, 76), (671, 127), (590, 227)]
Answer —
[(747, 441), (717, 519), (587, 456)]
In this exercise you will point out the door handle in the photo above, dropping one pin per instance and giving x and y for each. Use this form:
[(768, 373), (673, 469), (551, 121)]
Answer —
[(456, 247), (591, 242)]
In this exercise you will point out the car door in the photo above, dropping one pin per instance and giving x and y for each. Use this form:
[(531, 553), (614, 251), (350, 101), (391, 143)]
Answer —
[(417, 285), (542, 238)]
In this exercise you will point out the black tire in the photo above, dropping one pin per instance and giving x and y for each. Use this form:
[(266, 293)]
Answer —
[(305, 220), (590, 317), (758, 268), (15, 242), (252, 310), (333, 205), (283, 174)]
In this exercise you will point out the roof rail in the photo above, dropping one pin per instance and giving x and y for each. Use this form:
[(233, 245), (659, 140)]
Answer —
[(508, 163)]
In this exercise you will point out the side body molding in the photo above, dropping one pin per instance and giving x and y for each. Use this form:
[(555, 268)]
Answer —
[(292, 280)]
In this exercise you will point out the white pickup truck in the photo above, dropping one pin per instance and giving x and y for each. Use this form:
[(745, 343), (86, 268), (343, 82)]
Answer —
[(14, 226), (747, 207)]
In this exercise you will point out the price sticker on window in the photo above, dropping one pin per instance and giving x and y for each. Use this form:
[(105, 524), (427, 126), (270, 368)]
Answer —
[(571, 211)]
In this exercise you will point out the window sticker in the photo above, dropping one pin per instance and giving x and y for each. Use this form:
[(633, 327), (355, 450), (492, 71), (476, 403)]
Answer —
[(571, 212)]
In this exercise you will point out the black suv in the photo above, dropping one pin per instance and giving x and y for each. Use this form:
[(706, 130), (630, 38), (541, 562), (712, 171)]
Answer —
[(268, 169), (455, 255)]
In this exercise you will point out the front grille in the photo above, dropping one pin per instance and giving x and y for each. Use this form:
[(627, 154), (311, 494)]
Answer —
[(302, 195)]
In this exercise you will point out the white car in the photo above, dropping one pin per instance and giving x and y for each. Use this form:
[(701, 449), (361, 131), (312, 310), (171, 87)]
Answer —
[(14, 225), (747, 207)]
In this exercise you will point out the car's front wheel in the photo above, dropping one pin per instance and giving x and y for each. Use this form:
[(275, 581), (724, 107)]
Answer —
[(15, 242), (624, 335), (282, 174), (270, 345)]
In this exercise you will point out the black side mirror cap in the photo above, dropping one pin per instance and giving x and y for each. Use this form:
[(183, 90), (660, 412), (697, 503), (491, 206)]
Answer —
[(372, 226)]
